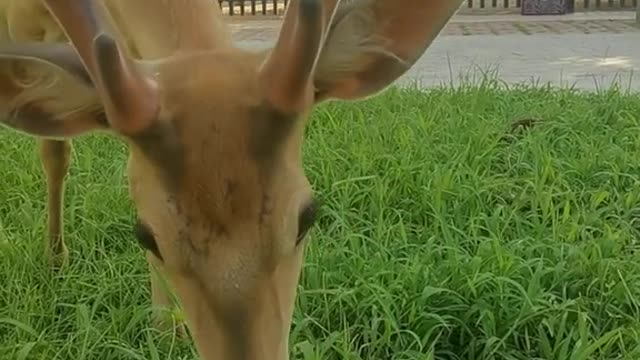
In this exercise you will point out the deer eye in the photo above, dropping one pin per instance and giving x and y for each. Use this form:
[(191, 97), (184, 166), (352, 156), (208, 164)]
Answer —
[(146, 239), (306, 220)]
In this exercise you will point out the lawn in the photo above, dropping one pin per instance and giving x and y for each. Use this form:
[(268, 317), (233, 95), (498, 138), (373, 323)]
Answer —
[(444, 235)]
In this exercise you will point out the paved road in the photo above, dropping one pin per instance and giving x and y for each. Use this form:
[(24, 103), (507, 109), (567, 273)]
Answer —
[(586, 53), (586, 61)]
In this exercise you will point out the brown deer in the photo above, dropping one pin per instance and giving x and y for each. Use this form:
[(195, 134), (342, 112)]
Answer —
[(214, 135), (30, 21)]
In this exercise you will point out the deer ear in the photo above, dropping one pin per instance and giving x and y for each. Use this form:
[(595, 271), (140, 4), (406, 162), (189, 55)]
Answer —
[(45, 91), (370, 43)]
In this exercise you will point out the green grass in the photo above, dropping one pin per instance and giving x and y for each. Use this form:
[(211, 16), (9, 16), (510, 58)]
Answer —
[(439, 239)]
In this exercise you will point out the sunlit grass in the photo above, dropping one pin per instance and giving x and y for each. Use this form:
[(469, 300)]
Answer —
[(442, 236)]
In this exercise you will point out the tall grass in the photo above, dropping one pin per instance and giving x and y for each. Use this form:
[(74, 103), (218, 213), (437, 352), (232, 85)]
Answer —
[(444, 235)]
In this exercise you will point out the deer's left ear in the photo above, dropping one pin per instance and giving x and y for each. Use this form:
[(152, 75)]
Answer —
[(370, 43), (45, 91)]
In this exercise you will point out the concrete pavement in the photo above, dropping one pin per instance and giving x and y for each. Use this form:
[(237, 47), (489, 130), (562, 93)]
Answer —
[(585, 61), (589, 51)]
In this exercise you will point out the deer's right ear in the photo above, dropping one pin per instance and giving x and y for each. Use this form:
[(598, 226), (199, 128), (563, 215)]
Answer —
[(371, 43), (45, 91)]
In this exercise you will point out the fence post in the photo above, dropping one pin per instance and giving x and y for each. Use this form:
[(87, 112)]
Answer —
[(638, 12)]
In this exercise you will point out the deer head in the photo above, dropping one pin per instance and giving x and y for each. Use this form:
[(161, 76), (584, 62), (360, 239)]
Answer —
[(215, 135)]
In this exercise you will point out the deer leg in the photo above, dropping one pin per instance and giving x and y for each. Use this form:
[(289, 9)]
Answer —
[(55, 157), (161, 300)]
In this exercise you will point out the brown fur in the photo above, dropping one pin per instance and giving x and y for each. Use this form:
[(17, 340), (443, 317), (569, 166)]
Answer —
[(214, 134)]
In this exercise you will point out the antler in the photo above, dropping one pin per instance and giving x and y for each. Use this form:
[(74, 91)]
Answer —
[(288, 70), (130, 98)]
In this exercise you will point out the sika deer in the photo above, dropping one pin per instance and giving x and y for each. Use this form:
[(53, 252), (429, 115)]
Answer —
[(30, 21), (214, 135)]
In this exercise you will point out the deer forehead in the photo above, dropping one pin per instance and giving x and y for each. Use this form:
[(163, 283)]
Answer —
[(220, 160), (215, 75), (222, 216), (224, 219), (214, 100)]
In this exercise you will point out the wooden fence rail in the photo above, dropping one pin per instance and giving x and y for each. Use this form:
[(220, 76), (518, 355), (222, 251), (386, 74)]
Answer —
[(276, 7), (253, 7)]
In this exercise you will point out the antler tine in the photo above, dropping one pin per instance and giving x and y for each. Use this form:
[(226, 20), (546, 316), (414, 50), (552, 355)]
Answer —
[(288, 70), (130, 99)]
